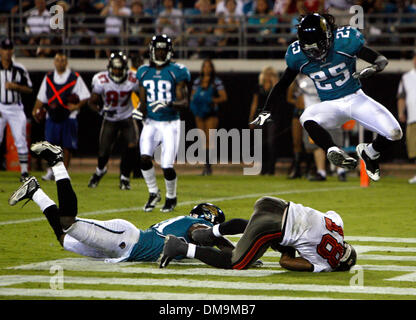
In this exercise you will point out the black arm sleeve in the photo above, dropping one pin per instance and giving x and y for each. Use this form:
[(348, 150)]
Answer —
[(373, 57), (280, 89)]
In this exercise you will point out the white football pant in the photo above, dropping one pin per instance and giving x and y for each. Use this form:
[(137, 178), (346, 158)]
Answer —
[(357, 106)]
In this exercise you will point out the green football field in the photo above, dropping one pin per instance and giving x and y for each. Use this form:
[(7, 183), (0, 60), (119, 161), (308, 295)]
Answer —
[(379, 221)]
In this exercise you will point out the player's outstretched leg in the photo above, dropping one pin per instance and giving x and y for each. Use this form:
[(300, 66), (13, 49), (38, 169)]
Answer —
[(31, 190), (171, 183)]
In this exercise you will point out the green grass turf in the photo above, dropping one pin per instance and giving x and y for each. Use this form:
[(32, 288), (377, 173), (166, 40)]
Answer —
[(385, 209)]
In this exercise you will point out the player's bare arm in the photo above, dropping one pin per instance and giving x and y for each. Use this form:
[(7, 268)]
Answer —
[(277, 92), (377, 60), (93, 102), (289, 261), (36, 111), (182, 97), (143, 101)]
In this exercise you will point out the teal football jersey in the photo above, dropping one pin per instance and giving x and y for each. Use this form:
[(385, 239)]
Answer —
[(151, 241), (332, 76), (161, 86)]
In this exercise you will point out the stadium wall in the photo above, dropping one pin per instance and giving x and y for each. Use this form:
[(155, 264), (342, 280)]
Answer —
[(240, 86)]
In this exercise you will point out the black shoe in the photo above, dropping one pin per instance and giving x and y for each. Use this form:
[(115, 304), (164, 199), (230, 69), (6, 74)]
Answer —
[(95, 179), (340, 158), (207, 171), (154, 198), (51, 153), (25, 191), (24, 176), (124, 184), (371, 165), (342, 177), (170, 204), (173, 247), (317, 177), (295, 173), (204, 237)]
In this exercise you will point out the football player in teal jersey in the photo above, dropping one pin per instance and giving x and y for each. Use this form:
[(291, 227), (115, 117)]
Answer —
[(328, 54), (114, 240), (163, 92)]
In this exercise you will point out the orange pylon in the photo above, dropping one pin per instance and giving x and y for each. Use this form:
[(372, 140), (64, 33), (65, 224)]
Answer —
[(364, 179)]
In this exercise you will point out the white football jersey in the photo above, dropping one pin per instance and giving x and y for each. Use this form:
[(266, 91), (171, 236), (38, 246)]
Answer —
[(115, 96), (317, 236)]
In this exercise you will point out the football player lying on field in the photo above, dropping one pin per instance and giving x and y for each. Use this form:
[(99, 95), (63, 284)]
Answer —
[(113, 240), (284, 226)]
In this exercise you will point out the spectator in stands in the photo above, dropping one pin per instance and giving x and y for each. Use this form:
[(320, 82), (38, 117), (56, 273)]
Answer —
[(229, 28), (208, 92), (84, 26), (63, 92), (221, 8), (6, 6), (140, 29), (284, 7), (267, 79), (310, 6), (170, 21), (406, 104), (114, 14), (260, 26), (204, 30), (37, 26)]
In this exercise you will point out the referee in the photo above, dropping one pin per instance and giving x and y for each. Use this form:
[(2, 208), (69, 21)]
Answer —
[(14, 80)]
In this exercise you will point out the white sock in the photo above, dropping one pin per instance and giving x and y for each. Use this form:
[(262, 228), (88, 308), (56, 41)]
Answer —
[(373, 154), (322, 173), (100, 172), (340, 170), (23, 167), (171, 188), (124, 178), (42, 199), (216, 231), (191, 251), (59, 171), (150, 179)]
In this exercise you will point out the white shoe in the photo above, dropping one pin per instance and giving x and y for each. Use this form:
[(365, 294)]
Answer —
[(340, 158), (48, 176), (412, 180)]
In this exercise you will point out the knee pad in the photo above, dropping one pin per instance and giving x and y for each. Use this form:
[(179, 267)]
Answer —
[(146, 163), (169, 173), (269, 204)]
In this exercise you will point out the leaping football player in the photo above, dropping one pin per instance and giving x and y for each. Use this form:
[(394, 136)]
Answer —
[(163, 92), (327, 54)]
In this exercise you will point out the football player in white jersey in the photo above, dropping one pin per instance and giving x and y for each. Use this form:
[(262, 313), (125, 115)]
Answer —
[(284, 226), (114, 87)]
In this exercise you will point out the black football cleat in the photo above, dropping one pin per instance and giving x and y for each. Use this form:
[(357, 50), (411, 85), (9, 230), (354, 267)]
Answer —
[(154, 198), (340, 158), (169, 205), (95, 179), (173, 247), (204, 237), (371, 165), (51, 153), (124, 184), (317, 177), (24, 176), (25, 191)]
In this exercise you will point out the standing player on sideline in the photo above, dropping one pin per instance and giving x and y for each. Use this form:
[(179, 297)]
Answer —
[(328, 55), (163, 93), (14, 80), (115, 87), (115, 240)]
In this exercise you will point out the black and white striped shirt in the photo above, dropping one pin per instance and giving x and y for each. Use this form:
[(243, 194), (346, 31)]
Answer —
[(15, 73)]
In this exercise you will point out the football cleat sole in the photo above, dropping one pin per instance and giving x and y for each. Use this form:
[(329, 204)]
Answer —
[(341, 159), (26, 191)]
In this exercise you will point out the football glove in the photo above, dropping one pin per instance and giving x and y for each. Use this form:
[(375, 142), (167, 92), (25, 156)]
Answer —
[(158, 105), (365, 73), (137, 114), (262, 118), (106, 111)]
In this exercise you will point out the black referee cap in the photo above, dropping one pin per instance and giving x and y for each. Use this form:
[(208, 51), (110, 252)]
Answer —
[(6, 44)]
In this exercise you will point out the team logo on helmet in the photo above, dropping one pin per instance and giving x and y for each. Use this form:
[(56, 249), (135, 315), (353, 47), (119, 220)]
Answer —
[(208, 212)]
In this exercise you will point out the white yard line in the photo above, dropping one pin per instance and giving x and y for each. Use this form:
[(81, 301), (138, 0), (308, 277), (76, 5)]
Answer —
[(185, 203), (186, 283), (132, 295)]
